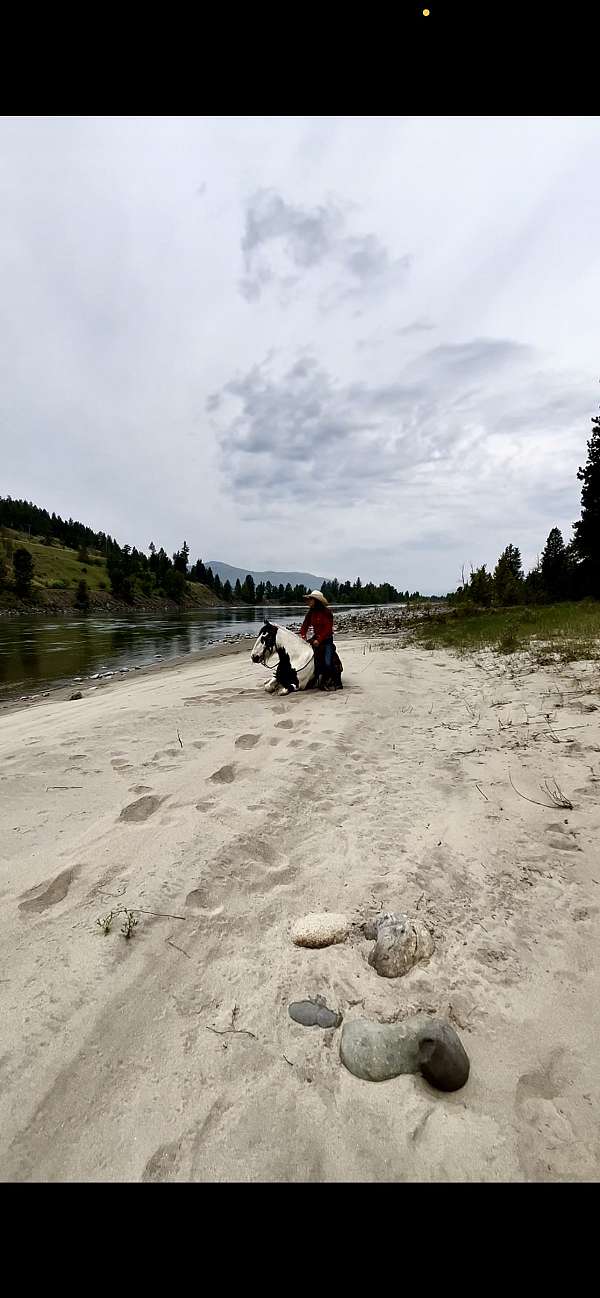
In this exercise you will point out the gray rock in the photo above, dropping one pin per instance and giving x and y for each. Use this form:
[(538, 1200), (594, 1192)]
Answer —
[(314, 1014), (443, 1059), (400, 943), (77, 695), (376, 1052)]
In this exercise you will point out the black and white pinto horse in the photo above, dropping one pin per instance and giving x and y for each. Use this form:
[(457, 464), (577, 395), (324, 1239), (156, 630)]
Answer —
[(291, 659)]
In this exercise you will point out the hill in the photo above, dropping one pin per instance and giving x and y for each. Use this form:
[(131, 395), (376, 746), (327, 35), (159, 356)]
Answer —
[(227, 572), (58, 570)]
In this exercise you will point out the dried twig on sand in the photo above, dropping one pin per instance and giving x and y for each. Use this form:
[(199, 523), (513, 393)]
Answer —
[(484, 795), (556, 795), (177, 948), (180, 739)]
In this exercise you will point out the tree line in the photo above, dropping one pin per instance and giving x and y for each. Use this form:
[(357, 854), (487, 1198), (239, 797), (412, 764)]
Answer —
[(134, 574), (563, 572)]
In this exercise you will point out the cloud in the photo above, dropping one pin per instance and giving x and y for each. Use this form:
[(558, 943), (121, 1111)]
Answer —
[(417, 326), (282, 242), (455, 433)]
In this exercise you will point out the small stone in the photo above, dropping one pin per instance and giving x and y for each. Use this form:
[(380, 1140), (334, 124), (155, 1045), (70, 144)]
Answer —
[(320, 930), (400, 943), (77, 695), (314, 1014), (443, 1059)]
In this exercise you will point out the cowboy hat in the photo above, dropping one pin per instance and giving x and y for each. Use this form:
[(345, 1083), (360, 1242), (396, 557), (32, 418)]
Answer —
[(317, 594)]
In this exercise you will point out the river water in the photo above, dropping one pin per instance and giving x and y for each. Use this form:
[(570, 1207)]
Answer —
[(37, 653)]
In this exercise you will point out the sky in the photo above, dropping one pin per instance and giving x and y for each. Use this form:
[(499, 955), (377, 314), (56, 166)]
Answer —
[(357, 346)]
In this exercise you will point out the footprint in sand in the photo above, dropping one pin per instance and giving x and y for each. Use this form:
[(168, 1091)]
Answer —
[(141, 788), (562, 838), (199, 743), (224, 775), (284, 725), (140, 810), (247, 741), (47, 893), (207, 805), (275, 741)]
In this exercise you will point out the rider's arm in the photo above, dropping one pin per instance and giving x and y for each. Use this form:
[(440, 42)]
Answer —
[(305, 625)]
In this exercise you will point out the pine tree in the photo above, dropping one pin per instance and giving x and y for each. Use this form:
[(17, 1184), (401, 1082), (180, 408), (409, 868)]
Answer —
[(553, 566), (508, 577), (227, 591), (586, 540), (481, 586), (23, 570)]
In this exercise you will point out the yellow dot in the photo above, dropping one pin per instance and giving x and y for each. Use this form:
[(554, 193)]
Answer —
[(426, 13)]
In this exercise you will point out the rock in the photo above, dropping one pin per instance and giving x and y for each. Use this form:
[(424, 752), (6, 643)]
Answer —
[(443, 1059), (399, 944), (77, 695), (314, 1014), (320, 930), (376, 1052)]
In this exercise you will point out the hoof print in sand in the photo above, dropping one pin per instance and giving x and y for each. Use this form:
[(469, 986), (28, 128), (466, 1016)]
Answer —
[(377, 1052), (400, 943), (320, 930), (247, 741), (140, 810), (224, 775), (314, 1014), (47, 893)]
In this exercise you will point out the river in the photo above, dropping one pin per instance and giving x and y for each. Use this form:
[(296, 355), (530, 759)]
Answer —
[(38, 653)]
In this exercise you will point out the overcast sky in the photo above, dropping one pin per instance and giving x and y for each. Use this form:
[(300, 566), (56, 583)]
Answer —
[(351, 345)]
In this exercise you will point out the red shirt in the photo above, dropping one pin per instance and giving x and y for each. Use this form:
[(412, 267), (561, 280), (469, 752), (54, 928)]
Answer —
[(321, 620)]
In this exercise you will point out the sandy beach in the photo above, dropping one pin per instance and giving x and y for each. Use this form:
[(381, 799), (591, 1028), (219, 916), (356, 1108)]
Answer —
[(190, 793)]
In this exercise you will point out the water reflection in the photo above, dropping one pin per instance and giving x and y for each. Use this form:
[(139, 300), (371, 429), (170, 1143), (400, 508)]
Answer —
[(35, 653)]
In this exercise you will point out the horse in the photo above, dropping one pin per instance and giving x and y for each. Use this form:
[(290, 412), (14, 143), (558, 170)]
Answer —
[(292, 658)]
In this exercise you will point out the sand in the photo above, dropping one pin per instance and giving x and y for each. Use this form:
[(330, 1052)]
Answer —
[(171, 1055)]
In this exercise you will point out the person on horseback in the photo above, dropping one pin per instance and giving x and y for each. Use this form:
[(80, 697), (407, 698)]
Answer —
[(317, 630)]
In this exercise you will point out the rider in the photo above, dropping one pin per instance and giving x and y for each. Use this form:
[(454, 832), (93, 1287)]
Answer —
[(319, 621)]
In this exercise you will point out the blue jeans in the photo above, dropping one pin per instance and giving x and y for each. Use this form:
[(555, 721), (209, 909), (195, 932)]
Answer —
[(324, 655)]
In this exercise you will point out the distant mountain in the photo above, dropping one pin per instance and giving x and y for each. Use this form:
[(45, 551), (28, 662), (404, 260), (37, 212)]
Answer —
[(228, 573)]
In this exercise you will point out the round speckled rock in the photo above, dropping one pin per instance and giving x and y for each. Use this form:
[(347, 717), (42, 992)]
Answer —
[(314, 1014), (400, 943), (443, 1060), (376, 1052), (320, 930)]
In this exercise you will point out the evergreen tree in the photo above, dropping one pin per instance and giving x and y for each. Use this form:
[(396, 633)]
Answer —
[(227, 591), (508, 577), (554, 566), (481, 587), (586, 541), (82, 597), (238, 590), (248, 590), (23, 570)]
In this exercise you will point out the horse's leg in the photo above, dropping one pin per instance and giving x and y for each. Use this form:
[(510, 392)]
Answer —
[(272, 685)]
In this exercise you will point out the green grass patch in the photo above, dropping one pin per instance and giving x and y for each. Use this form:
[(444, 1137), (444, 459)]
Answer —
[(54, 563), (568, 631)]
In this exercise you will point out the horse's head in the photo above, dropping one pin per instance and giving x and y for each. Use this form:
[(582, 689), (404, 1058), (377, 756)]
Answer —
[(264, 646)]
